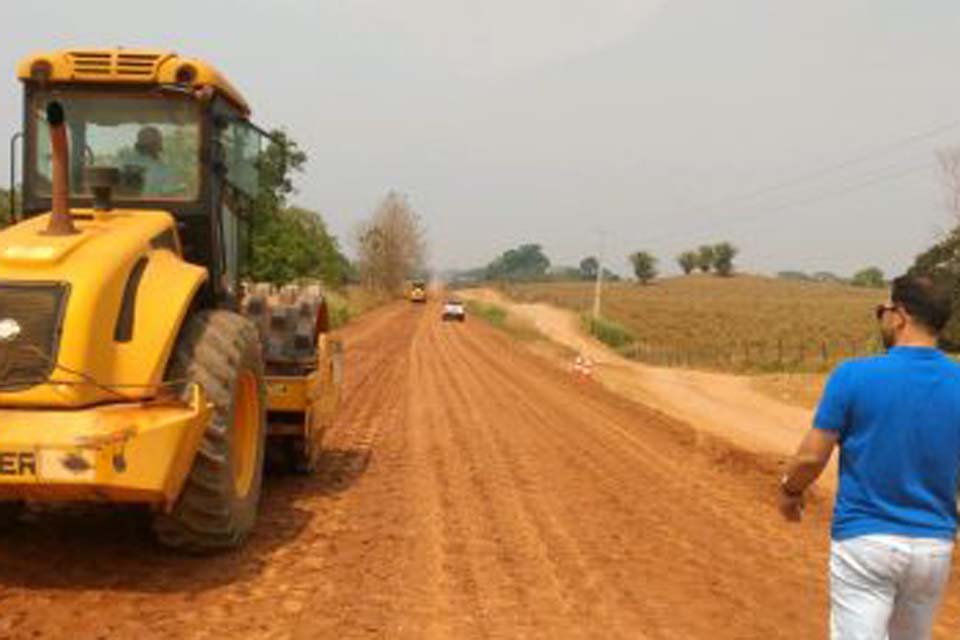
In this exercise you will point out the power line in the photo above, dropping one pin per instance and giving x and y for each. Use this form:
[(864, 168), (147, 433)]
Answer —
[(827, 169), (828, 195), (812, 175)]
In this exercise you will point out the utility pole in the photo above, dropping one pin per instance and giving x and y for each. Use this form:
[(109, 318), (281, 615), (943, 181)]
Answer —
[(597, 289)]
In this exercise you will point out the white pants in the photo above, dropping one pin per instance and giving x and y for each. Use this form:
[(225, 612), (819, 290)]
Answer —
[(886, 587)]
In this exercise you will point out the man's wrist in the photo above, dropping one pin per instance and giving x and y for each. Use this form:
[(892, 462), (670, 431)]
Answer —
[(787, 490)]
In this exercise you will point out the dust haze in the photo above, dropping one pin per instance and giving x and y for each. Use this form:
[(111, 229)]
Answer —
[(550, 122)]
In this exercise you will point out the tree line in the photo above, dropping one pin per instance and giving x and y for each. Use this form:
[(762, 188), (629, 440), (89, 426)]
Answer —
[(528, 262), (709, 257), (717, 258), (869, 277)]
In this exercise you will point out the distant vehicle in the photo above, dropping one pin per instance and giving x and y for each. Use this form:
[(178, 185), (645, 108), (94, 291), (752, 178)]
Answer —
[(417, 291), (454, 310)]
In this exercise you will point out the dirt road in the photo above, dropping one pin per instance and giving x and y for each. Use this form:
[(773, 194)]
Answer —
[(470, 490)]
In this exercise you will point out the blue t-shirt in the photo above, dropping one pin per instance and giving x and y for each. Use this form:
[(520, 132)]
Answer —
[(898, 418)]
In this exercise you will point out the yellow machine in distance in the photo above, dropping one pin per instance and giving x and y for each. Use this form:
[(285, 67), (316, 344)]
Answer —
[(417, 291), (134, 365)]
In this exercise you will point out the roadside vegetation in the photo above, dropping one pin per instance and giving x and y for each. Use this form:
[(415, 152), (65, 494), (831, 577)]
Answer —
[(611, 333), (492, 313), (499, 317), (290, 243), (350, 302), (4, 208)]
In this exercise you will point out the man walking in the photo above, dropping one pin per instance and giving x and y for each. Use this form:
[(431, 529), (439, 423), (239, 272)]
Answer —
[(896, 420)]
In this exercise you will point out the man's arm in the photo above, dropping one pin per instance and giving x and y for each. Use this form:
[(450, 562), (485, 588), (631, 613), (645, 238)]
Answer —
[(804, 468), (809, 461)]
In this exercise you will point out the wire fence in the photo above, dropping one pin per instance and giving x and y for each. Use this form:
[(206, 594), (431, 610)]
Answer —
[(754, 355)]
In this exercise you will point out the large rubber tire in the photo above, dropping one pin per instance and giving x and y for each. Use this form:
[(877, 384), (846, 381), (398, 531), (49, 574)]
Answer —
[(217, 507), (10, 515)]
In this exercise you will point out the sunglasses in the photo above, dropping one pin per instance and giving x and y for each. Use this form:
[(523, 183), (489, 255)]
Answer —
[(883, 308)]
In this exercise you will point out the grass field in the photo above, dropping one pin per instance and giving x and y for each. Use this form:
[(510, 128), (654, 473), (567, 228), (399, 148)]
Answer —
[(503, 320), (745, 323), (350, 302)]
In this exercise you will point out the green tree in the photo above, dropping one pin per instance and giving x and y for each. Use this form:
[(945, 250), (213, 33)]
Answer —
[(644, 266), (688, 261), (287, 242), (278, 163), (868, 277), (942, 262), (6, 216), (294, 243), (4, 207), (705, 258), (723, 255), (588, 268), (526, 262)]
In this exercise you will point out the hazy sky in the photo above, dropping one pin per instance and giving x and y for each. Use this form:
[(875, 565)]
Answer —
[(644, 123)]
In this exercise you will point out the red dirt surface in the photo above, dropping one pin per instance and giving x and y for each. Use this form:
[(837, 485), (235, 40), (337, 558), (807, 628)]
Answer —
[(470, 490)]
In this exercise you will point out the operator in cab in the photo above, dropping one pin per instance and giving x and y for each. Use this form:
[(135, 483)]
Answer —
[(146, 157)]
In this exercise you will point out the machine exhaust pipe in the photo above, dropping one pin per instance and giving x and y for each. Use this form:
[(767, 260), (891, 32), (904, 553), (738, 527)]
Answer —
[(61, 222)]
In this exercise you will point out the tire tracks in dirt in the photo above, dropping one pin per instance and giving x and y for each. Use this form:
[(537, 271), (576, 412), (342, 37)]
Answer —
[(469, 490), (614, 465)]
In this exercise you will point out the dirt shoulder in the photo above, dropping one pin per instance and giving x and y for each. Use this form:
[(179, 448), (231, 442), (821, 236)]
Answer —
[(797, 389), (733, 407)]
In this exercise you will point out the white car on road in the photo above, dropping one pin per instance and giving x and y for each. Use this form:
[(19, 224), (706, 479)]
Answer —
[(454, 310)]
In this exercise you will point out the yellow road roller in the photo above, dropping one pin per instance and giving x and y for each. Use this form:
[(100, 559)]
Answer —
[(135, 364)]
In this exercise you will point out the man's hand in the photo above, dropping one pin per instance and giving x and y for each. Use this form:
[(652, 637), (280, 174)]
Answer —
[(803, 469), (791, 505)]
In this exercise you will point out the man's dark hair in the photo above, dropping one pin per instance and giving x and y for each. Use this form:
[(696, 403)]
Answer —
[(928, 302)]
